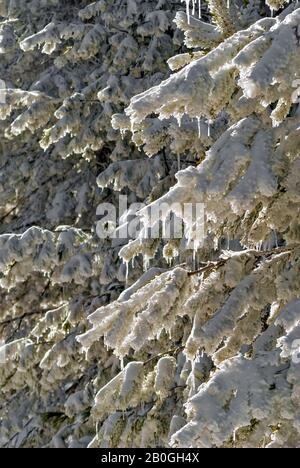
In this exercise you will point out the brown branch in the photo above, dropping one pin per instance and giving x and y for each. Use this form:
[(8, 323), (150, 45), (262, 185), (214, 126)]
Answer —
[(171, 351), (267, 253), (8, 213), (21, 317), (28, 314), (278, 250), (211, 266)]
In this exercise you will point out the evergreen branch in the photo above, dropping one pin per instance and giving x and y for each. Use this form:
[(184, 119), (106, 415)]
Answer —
[(218, 264)]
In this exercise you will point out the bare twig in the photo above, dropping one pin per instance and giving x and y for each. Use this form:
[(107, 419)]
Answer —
[(170, 351), (267, 253)]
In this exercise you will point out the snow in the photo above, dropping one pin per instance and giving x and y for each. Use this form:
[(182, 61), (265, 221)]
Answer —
[(202, 348)]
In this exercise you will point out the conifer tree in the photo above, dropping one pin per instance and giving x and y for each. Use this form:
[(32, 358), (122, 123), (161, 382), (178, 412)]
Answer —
[(201, 349), (67, 67)]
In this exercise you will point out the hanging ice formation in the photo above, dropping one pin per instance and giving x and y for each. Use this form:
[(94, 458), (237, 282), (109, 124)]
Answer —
[(188, 8)]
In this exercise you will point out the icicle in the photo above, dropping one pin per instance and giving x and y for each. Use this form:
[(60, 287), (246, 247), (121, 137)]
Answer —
[(209, 123), (179, 162), (164, 228), (187, 2), (194, 255), (193, 380), (228, 4), (196, 246), (179, 120), (276, 239), (146, 225), (122, 363), (146, 262), (200, 12), (127, 270), (258, 246), (188, 11), (194, 7), (199, 126)]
